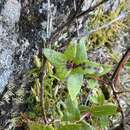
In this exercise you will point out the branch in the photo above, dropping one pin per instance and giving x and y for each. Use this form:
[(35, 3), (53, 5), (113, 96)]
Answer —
[(42, 78), (91, 9), (115, 80), (49, 20), (120, 127), (120, 67), (69, 21), (106, 25), (73, 17), (76, 21)]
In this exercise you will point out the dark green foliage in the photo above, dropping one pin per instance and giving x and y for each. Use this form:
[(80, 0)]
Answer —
[(33, 108), (75, 66)]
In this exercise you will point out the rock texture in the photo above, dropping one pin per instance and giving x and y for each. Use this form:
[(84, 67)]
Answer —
[(8, 38), (23, 28), (12, 81)]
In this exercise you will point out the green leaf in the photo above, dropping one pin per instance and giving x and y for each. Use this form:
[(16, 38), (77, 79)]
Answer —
[(78, 70), (94, 99), (70, 127), (97, 97), (106, 69), (104, 121), (71, 112), (62, 72), (74, 83), (92, 84), (83, 109), (59, 61), (55, 58), (104, 110), (49, 128), (100, 97), (36, 126), (81, 54), (91, 69), (86, 126), (70, 52)]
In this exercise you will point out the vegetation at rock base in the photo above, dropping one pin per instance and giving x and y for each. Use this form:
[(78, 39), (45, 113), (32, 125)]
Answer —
[(69, 90)]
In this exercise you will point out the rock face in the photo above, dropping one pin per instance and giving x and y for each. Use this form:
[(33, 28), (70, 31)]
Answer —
[(9, 17), (23, 25), (22, 29), (11, 70), (8, 39)]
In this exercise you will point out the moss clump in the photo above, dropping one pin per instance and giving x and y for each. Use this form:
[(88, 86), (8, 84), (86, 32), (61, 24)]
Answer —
[(104, 30)]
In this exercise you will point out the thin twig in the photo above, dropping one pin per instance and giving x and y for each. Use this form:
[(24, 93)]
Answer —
[(106, 25), (115, 79), (92, 8), (118, 102), (123, 61), (69, 21), (120, 92), (75, 15), (88, 97), (43, 74), (49, 20), (77, 26), (43, 69)]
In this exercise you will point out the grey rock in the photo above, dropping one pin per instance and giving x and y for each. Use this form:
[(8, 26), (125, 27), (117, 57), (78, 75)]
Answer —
[(8, 39)]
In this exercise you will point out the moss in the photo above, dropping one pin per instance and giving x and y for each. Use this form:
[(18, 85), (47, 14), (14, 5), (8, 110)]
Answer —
[(106, 35), (33, 109)]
